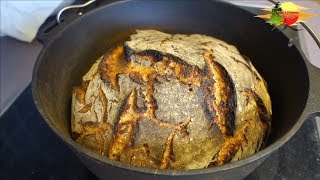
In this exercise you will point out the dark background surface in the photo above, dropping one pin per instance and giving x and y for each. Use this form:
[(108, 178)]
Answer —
[(29, 150)]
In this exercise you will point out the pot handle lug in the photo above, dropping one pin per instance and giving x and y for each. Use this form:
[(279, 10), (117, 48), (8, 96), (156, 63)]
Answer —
[(54, 24), (312, 108), (313, 104), (58, 17), (47, 29)]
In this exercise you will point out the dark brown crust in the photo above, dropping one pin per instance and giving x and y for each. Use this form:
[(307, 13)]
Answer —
[(185, 72), (153, 55), (222, 45), (262, 110), (220, 96), (246, 58), (157, 56), (104, 101), (141, 102), (205, 43), (128, 52), (135, 77)]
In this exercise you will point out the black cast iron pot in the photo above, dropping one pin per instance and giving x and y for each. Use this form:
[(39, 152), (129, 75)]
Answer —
[(294, 84)]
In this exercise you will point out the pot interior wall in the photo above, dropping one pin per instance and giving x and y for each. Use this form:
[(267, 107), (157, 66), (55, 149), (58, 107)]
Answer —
[(66, 60)]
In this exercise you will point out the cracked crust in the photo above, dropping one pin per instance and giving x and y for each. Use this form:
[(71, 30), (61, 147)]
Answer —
[(168, 152), (220, 95), (172, 102)]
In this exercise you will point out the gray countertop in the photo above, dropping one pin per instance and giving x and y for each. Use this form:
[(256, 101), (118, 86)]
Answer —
[(17, 60)]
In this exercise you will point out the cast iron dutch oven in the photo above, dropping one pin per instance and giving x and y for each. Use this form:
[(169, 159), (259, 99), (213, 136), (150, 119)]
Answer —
[(294, 84)]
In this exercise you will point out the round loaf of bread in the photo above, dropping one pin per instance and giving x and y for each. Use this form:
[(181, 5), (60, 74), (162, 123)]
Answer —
[(172, 102)]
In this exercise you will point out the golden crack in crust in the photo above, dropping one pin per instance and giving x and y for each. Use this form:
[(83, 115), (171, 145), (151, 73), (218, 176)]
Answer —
[(80, 92), (125, 129), (230, 147), (88, 129), (98, 130), (220, 95), (85, 108), (112, 65), (168, 152), (233, 144), (139, 156)]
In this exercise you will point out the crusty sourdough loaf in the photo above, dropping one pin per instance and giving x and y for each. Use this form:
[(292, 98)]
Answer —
[(172, 102)]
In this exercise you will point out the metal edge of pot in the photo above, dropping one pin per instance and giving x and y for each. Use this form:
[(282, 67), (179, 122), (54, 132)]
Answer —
[(102, 159)]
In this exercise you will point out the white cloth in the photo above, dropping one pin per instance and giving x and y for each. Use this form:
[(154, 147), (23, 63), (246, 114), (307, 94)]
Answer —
[(22, 19)]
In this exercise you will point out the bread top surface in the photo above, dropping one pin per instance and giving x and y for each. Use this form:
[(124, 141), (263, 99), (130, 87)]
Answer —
[(172, 102)]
